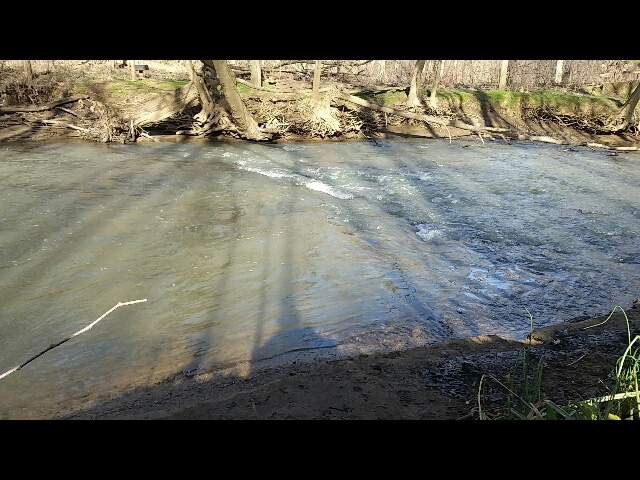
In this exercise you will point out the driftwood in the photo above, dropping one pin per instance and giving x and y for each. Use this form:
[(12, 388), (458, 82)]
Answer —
[(167, 105), (423, 118), (40, 108), (606, 147), (64, 124), (54, 345), (70, 112), (478, 129), (160, 109)]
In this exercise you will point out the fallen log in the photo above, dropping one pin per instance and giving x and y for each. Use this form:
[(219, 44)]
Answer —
[(478, 129), (417, 116), (541, 138), (64, 124), (40, 108), (608, 147)]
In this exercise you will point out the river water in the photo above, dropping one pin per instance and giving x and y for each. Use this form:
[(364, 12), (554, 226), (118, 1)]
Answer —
[(250, 253)]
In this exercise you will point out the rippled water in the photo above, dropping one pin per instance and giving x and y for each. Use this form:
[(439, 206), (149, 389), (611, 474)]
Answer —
[(253, 252)]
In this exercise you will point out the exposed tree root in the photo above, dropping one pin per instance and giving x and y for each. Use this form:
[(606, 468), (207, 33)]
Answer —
[(278, 113)]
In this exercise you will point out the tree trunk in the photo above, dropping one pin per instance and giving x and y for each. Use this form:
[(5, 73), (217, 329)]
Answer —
[(245, 124), (629, 107), (559, 71), (133, 69), (316, 82), (416, 83), (211, 117), (28, 72), (327, 123), (436, 82), (206, 101), (256, 73), (504, 69)]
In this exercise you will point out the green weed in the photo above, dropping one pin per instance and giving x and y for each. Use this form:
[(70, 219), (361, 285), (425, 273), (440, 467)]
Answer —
[(525, 400)]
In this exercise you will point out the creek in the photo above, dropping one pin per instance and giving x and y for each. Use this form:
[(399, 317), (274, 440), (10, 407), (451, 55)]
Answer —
[(250, 253)]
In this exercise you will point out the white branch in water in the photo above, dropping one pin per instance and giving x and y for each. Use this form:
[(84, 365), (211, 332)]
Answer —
[(120, 304), (88, 327)]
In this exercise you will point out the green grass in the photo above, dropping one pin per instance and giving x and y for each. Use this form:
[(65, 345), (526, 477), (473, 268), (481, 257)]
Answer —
[(124, 86), (386, 99), (128, 86), (554, 98), (171, 84), (453, 95), (242, 89), (525, 400), (559, 100)]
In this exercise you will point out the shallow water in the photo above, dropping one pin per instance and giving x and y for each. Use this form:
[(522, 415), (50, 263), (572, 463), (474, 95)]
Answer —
[(259, 252)]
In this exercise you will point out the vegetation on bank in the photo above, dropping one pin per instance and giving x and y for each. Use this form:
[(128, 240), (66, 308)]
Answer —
[(526, 400), (117, 108), (564, 100)]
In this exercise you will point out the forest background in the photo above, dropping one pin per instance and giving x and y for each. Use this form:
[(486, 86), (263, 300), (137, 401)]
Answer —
[(114, 100)]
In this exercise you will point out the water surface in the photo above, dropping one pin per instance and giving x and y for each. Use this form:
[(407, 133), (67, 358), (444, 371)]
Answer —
[(252, 252)]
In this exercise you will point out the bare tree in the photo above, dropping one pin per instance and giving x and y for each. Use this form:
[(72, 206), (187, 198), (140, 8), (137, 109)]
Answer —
[(229, 114), (322, 105), (629, 107), (246, 124), (206, 101), (28, 72), (437, 75), (504, 69), (316, 82), (416, 84), (559, 71), (256, 72), (211, 117)]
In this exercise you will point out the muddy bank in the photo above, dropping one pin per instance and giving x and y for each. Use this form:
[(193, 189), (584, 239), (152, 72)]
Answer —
[(448, 381)]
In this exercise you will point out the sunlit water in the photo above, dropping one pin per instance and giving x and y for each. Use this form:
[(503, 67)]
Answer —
[(261, 253)]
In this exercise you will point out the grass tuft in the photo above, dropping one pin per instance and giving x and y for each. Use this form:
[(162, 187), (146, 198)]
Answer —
[(525, 400)]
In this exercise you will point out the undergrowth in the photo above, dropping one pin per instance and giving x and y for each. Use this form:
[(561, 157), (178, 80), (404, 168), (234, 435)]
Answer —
[(525, 400)]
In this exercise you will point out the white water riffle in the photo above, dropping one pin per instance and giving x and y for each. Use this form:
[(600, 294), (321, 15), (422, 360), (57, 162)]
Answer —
[(251, 253)]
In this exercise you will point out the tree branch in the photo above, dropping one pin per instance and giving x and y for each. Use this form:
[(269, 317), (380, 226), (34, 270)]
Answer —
[(40, 108), (52, 346), (417, 116)]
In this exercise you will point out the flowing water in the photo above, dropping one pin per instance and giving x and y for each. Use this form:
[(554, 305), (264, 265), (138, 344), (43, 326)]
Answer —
[(250, 253)]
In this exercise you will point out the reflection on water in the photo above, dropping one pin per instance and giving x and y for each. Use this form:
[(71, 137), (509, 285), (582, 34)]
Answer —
[(257, 252)]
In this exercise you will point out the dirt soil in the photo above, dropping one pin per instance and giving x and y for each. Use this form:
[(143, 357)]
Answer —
[(458, 379), (454, 380)]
